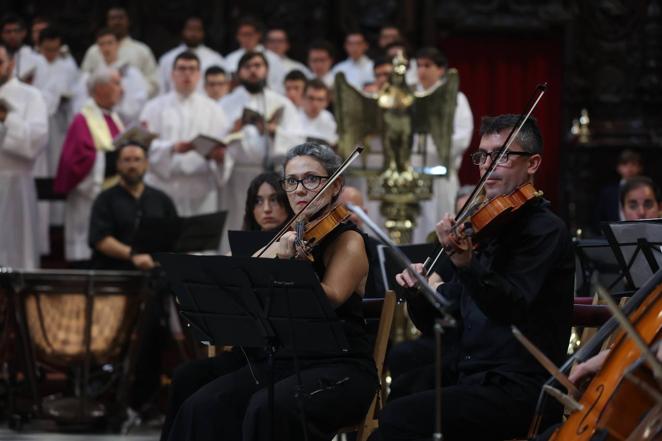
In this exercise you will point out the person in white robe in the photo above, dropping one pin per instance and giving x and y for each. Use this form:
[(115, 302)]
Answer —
[(23, 134), (249, 34), (432, 66), (81, 173), (317, 123), (131, 51), (399, 47), (13, 33), (193, 36), (261, 145), (190, 179), (278, 43), (320, 61), (56, 76), (217, 83), (357, 67), (135, 89), (295, 85)]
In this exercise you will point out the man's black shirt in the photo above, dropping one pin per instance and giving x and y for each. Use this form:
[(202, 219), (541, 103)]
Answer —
[(523, 276), (117, 213)]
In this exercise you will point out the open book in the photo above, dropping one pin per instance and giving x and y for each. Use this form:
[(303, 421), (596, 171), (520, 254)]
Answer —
[(250, 116), (204, 144)]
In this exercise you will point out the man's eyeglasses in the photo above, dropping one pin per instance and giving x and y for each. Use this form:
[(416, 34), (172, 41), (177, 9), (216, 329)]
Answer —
[(480, 156), (309, 182)]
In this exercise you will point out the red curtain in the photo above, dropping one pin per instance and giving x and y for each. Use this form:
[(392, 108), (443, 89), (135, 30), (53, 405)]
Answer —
[(498, 75)]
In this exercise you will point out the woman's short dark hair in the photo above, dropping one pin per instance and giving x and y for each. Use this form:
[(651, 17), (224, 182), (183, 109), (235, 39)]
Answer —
[(321, 153), (636, 182), (273, 179)]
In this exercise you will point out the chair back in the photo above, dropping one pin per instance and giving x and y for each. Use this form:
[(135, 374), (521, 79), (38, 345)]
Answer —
[(384, 309)]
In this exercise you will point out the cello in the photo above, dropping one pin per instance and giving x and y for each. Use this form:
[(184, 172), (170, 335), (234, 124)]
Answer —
[(626, 393)]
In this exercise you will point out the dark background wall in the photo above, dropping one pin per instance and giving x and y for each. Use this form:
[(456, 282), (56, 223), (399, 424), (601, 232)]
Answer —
[(602, 55)]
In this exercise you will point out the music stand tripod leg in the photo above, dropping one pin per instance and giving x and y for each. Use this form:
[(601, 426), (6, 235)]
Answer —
[(438, 331), (298, 395)]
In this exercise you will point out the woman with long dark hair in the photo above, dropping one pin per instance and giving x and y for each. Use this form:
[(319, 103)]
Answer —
[(267, 207)]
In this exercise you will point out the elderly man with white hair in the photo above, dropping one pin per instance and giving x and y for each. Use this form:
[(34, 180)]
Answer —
[(83, 169), (23, 133)]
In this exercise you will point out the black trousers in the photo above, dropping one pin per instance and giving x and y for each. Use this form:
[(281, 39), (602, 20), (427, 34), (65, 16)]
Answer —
[(481, 407), (410, 354), (153, 335), (190, 377), (334, 394)]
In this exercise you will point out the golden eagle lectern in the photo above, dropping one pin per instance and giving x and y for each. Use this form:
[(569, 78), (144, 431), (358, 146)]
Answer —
[(395, 114)]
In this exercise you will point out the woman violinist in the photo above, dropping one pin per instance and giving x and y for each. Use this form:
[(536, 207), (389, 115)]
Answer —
[(336, 390)]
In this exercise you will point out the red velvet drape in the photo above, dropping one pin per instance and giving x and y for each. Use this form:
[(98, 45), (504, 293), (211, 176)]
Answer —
[(498, 75)]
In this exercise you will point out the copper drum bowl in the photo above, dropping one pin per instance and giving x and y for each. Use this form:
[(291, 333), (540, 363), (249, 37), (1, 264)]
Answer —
[(58, 306)]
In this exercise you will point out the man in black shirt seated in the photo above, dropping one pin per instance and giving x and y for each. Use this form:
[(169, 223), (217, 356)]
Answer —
[(117, 212), (522, 275), (116, 215)]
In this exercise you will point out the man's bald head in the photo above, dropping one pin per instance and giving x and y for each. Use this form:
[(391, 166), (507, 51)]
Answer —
[(353, 196)]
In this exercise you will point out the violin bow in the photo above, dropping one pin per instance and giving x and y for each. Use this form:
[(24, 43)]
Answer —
[(346, 163), (429, 263)]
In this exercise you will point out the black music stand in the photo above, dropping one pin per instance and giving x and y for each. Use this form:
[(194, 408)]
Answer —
[(595, 256), (274, 304), (637, 246), (246, 243), (180, 234)]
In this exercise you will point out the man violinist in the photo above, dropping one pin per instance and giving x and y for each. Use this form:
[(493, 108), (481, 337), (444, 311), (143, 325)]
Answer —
[(522, 275)]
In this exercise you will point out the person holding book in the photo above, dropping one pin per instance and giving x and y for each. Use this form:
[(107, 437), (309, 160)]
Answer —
[(191, 173), (264, 125)]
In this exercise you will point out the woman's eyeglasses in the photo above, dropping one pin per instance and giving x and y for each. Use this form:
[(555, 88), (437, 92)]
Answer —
[(309, 182)]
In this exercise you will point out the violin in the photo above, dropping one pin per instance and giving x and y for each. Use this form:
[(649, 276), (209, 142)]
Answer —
[(490, 215), (312, 233), (622, 394)]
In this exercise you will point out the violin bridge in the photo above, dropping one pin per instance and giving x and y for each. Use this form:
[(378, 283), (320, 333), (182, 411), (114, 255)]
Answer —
[(538, 193)]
